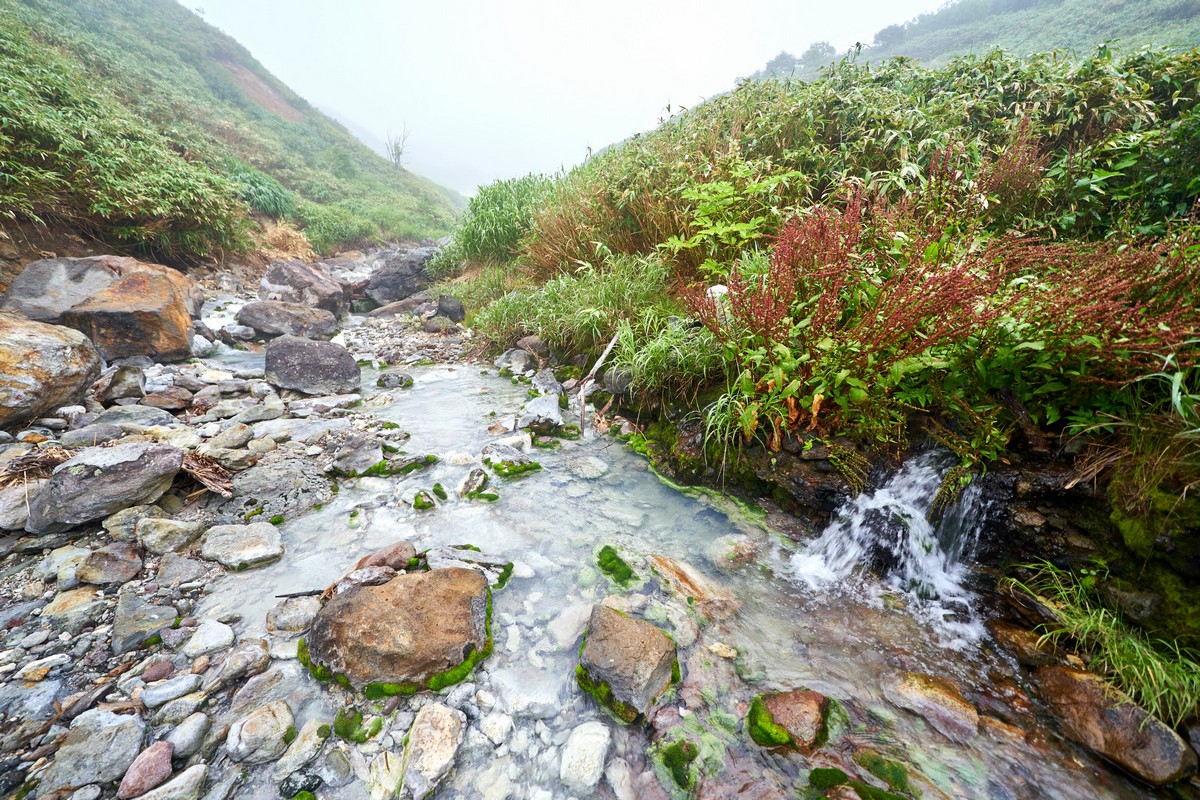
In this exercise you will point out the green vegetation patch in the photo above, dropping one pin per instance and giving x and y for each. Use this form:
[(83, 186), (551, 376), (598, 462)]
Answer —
[(763, 729), (601, 692), (348, 726), (322, 673), (615, 567), (827, 778), (678, 758), (888, 770), (422, 501), (439, 491), (512, 469)]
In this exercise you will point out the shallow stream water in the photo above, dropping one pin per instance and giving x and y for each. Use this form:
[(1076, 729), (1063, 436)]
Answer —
[(844, 634)]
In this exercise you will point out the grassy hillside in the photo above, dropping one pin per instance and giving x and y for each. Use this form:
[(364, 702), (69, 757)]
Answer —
[(961, 27), (148, 128)]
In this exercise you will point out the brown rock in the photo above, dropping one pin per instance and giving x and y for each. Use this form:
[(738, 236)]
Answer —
[(1023, 643), (395, 556), (1097, 716), (42, 367), (631, 657), (118, 562), (143, 313), (175, 398), (713, 601), (158, 670), (151, 768), (801, 713), (941, 704), (407, 630)]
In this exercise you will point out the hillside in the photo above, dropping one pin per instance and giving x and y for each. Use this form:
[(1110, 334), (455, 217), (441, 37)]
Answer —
[(1019, 26), (136, 122)]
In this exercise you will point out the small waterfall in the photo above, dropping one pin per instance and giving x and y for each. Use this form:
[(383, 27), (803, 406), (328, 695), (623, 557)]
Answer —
[(889, 533)]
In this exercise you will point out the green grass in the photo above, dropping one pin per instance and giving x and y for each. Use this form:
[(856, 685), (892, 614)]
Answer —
[(1161, 677), (491, 229), (142, 125)]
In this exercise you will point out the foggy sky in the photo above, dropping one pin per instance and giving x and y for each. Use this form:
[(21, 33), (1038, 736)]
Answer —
[(497, 89)]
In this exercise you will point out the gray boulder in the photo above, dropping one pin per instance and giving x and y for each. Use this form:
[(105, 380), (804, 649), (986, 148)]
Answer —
[(276, 318), (102, 480), (517, 360), (306, 284), (98, 749), (542, 414), (451, 307), (287, 486), (316, 368), (42, 367), (400, 274), (242, 546), (136, 620)]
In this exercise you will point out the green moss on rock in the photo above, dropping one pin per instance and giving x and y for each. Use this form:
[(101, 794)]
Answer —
[(439, 491), (422, 501), (511, 469), (827, 778), (612, 565), (888, 770), (763, 729), (678, 758), (601, 692)]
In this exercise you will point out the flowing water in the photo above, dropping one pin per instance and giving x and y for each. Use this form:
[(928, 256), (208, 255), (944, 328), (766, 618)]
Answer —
[(809, 616)]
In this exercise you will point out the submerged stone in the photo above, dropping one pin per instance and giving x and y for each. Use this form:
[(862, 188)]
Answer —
[(625, 663)]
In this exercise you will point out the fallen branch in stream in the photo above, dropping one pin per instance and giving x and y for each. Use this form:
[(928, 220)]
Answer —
[(589, 379)]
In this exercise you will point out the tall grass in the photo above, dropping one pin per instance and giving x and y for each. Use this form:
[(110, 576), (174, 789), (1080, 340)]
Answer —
[(1160, 676), (496, 220), (579, 312)]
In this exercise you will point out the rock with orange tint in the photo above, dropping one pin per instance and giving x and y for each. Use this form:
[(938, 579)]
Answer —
[(940, 702), (42, 368), (143, 313), (125, 306)]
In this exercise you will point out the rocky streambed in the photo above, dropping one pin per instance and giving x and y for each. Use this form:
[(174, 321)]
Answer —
[(373, 568)]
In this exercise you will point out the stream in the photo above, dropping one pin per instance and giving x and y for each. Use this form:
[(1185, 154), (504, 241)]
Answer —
[(803, 616)]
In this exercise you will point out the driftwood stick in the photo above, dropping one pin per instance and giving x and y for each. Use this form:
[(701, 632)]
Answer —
[(306, 593), (589, 379)]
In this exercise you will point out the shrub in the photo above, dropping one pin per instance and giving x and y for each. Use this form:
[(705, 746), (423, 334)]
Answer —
[(331, 228), (263, 193)]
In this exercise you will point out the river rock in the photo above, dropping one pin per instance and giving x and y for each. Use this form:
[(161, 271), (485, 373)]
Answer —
[(236, 435), (162, 693), (542, 414), (408, 630), (98, 749), (312, 367), (303, 284), (14, 504), (633, 658), (941, 704), (545, 383), (301, 752), (242, 546), (583, 756), (150, 769), (123, 524), (247, 658), (101, 480), (123, 382), (187, 785), (399, 274), (799, 712), (293, 615), (396, 555), (210, 636), (136, 620), (258, 738), (450, 308), (42, 367), (394, 379), (273, 318), (143, 313), (433, 743), (281, 485), (138, 416), (90, 436), (174, 569), (74, 610), (188, 736), (161, 536), (712, 600), (517, 360), (118, 562), (1097, 716)]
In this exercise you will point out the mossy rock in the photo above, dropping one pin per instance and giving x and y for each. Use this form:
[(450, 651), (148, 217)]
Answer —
[(602, 693), (678, 758), (763, 729), (615, 567), (422, 501), (512, 469)]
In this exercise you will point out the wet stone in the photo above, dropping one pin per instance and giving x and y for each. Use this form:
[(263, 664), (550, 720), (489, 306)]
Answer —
[(584, 755), (98, 749), (162, 693), (259, 737), (161, 536), (625, 660), (941, 704), (434, 739), (174, 569), (293, 615), (209, 637), (188, 736)]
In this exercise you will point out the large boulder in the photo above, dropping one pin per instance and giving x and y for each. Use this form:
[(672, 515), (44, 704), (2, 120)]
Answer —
[(276, 318), (142, 314), (317, 368), (125, 306), (1096, 716), (625, 663), (406, 631), (282, 485), (305, 284), (100, 481), (42, 368), (400, 274)]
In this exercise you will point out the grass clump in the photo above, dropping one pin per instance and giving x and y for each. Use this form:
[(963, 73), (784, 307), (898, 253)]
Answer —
[(491, 229), (1160, 676), (615, 567)]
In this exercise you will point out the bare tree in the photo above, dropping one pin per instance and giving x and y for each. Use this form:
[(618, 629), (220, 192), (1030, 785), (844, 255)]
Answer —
[(395, 145)]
